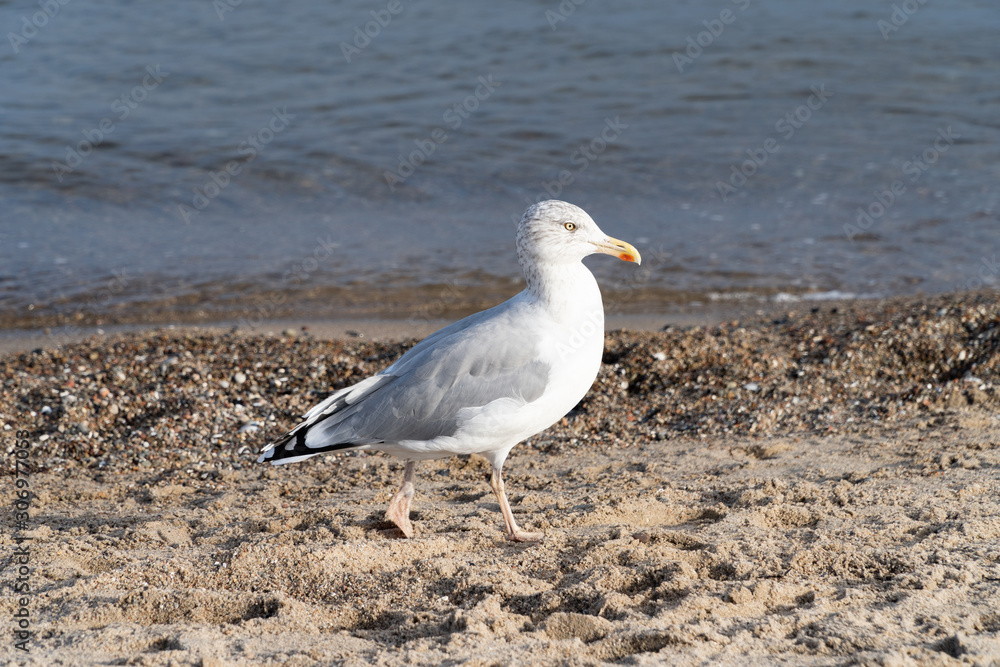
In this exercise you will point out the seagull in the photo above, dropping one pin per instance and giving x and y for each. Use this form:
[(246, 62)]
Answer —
[(486, 382)]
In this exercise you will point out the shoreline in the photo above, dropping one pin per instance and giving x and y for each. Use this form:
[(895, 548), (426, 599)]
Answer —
[(376, 329), (14, 338), (407, 316)]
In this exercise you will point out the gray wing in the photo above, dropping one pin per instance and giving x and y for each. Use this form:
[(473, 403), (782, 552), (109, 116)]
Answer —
[(469, 364)]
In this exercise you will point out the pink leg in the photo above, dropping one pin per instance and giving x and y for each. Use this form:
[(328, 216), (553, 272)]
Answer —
[(514, 534), (399, 506)]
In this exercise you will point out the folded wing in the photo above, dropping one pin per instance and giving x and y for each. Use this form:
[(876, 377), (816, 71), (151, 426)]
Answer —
[(426, 393)]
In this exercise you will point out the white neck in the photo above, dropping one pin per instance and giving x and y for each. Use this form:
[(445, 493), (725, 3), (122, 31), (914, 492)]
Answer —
[(568, 290)]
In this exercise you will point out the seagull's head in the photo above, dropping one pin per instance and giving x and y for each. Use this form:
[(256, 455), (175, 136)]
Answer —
[(555, 232)]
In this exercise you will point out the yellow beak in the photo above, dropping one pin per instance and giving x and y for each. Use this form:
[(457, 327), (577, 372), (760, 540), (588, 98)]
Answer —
[(620, 249)]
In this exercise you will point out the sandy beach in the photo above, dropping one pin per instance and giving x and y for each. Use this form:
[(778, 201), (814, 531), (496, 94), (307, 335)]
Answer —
[(819, 486)]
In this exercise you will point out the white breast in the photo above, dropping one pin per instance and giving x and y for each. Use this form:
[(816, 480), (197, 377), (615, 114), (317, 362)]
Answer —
[(572, 343), (570, 335)]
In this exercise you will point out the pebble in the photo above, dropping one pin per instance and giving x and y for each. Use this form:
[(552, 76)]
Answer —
[(867, 366)]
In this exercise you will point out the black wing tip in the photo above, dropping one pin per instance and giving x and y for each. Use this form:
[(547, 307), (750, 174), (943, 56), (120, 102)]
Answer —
[(280, 449)]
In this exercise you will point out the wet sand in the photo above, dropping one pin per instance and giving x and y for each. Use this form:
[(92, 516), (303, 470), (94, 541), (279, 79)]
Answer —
[(820, 486)]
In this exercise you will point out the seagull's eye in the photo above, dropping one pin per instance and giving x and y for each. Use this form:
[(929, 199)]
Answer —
[(569, 226)]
